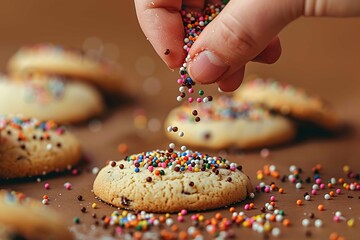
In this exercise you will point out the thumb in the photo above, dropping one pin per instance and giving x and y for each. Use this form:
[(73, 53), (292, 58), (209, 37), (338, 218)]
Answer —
[(237, 35)]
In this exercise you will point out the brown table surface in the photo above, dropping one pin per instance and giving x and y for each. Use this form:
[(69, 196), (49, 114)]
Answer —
[(321, 55)]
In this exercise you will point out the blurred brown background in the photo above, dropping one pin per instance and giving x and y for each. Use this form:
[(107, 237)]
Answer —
[(321, 55)]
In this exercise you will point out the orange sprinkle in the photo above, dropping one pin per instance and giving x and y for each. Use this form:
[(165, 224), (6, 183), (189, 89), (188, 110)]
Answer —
[(183, 235), (341, 180), (157, 172), (45, 197), (162, 219), (267, 170), (251, 205), (272, 204), (122, 148), (332, 193), (232, 209), (321, 207), (299, 202), (333, 236), (272, 218), (281, 190), (275, 174), (218, 216), (137, 235), (174, 228), (286, 222), (330, 185)]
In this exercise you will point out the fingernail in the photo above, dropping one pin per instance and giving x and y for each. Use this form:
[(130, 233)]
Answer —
[(206, 67)]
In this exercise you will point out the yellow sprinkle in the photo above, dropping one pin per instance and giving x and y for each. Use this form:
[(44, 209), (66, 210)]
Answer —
[(124, 213), (167, 215), (267, 227), (201, 218), (346, 168), (94, 205), (350, 222), (260, 176)]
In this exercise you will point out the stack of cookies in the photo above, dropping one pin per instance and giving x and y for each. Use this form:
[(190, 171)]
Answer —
[(51, 82), (260, 114)]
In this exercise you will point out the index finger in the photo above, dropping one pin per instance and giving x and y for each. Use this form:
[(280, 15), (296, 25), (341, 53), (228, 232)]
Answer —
[(162, 24)]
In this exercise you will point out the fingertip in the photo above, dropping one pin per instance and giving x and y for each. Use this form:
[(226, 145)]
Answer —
[(271, 53), (233, 82)]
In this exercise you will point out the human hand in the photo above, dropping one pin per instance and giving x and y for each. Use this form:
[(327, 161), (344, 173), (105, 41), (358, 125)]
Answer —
[(245, 30)]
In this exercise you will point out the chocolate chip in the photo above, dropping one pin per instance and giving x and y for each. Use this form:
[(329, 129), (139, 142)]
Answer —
[(125, 201), (167, 51)]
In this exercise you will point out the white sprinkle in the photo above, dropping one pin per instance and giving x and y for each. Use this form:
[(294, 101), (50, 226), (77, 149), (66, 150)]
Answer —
[(275, 232), (307, 197), (183, 148), (191, 230), (305, 222), (45, 201), (292, 168), (169, 128), (172, 145), (181, 134), (318, 223), (327, 196), (95, 170), (270, 207), (298, 185), (169, 221), (182, 89), (338, 213), (179, 98), (279, 218), (49, 146), (333, 181), (272, 168), (315, 187), (205, 100)]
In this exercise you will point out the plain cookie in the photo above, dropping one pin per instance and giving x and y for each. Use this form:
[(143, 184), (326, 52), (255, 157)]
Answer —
[(225, 123), (169, 181), (56, 60), (25, 218), (289, 100), (50, 98), (30, 147)]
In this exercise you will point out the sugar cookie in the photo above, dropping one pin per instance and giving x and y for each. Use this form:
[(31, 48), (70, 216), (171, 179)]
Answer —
[(50, 98), (24, 218), (168, 181), (289, 100), (30, 147), (56, 60), (228, 123)]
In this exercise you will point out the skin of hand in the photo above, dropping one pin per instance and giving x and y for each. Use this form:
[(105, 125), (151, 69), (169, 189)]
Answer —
[(245, 30)]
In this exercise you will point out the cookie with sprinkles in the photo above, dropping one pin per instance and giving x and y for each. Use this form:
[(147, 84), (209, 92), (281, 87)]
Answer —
[(290, 100), (24, 218), (49, 97), (169, 180), (30, 147), (73, 63), (224, 123)]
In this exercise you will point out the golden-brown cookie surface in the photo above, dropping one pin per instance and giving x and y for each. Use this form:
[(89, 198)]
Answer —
[(57, 60), (25, 218), (49, 98), (289, 100), (30, 147), (225, 122), (168, 181)]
